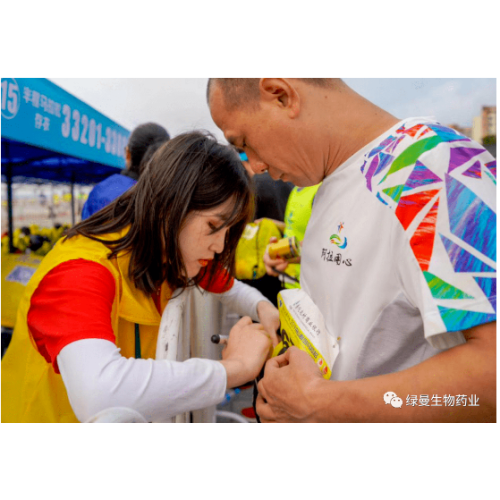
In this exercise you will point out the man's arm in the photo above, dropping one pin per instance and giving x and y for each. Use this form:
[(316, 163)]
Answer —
[(293, 390)]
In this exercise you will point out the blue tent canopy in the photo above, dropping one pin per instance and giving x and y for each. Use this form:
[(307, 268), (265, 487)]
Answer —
[(33, 164), (49, 134)]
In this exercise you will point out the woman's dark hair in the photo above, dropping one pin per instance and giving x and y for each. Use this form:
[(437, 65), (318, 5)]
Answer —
[(189, 173), (152, 148), (141, 138)]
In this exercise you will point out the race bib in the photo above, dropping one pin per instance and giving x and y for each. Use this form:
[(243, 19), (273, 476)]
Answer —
[(303, 326)]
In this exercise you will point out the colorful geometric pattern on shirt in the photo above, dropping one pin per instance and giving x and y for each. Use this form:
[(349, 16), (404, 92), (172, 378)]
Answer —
[(432, 177), (492, 174)]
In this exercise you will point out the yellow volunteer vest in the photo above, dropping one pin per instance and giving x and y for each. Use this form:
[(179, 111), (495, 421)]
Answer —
[(31, 390), (17, 270), (297, 215)]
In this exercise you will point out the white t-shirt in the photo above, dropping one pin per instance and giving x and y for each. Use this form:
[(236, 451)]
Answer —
[(400, 250)]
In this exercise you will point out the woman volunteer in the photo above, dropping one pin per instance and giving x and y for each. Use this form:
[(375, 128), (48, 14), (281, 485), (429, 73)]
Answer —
[(96, 300)]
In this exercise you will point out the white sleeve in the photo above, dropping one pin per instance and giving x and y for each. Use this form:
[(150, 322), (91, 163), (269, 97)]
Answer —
[(242, 299), (98, 377)]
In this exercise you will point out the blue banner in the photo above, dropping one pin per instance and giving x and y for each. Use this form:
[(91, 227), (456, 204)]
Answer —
[(38, 112)]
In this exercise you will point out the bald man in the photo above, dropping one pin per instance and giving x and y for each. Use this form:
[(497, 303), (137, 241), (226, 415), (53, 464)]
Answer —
[(399, 254)]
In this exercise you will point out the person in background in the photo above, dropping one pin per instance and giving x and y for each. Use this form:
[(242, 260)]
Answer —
[(109, 189), (297, 215), (87, 326), (399, 254), (270, 202)]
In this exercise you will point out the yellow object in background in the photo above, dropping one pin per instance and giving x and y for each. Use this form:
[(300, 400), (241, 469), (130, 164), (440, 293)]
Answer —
[(251, 248), (17, 270), (297, 215), (23, 242), (5, 244), (288, 248)]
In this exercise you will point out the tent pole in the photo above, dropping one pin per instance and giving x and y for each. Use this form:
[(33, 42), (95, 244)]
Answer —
[(9, 201), (9, 208), (73, 199)]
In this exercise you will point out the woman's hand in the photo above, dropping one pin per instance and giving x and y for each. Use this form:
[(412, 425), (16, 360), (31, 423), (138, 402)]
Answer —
[(246, 351), (269, 318)]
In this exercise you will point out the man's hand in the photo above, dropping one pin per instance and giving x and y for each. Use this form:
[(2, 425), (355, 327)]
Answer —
[(293, 390), (246, 351), (285, 392), (279, 263), (269, 318)]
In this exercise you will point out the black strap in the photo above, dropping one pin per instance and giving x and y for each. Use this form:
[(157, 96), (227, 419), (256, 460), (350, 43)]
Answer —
[(137, 342), (282, 273)]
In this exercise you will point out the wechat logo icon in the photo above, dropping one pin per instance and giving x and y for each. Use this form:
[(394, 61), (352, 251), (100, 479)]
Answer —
[(392, 399)]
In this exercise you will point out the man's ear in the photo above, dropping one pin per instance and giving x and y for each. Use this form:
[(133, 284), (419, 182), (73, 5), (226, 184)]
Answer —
[(282, 93)]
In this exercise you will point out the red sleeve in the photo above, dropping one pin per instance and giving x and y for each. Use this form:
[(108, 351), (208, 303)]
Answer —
[(222, 281), (72, 302)]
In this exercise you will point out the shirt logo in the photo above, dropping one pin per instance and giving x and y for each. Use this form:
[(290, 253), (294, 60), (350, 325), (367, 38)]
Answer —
[(338, 240)]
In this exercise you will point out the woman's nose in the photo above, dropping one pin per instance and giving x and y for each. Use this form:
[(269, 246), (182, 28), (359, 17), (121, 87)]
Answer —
[(219, 240)]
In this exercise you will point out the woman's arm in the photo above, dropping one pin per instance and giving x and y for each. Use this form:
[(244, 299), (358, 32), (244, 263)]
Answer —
[(97, 377), (80, 344), (243, 299)]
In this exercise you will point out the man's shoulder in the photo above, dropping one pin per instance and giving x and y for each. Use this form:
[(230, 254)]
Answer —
[(419, 153)]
